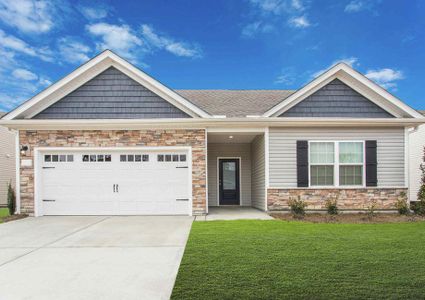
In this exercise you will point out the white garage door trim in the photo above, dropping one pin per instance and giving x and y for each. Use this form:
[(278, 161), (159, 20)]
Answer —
[(38, 152)]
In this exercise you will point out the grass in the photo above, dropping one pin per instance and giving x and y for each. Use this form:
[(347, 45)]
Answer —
[(297, 260), (4, 212)]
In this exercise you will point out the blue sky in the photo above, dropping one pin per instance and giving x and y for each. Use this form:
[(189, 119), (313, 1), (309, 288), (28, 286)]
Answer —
[(220, 44)]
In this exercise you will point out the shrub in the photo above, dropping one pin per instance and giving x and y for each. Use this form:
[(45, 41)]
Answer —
[(331, 206), (418, 207), (371, 209), (401, 204), (297, 207), (11, 199)]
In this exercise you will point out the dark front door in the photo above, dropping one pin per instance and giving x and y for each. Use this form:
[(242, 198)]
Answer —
[(229, 181)]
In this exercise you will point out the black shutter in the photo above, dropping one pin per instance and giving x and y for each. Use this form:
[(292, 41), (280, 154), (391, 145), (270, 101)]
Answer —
[(371, 164), (302, 163)]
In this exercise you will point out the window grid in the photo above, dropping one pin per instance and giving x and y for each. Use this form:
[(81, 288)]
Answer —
[(337, 165)]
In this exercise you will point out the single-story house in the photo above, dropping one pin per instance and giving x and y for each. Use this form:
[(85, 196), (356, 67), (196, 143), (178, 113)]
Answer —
[(108, 139), (7, 162)]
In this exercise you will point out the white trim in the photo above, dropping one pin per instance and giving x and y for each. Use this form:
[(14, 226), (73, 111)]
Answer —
[(39, 150), (213, 125), (218, 177), (336, 164), (17, 173), (266, 165), (342, 71), (88, 71)]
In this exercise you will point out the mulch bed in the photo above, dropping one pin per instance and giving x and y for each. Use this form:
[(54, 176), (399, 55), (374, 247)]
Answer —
[(13, 218), (360, 218)]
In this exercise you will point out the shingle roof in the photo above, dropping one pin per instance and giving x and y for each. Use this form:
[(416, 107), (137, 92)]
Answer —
[(235, 103), (422, 112)]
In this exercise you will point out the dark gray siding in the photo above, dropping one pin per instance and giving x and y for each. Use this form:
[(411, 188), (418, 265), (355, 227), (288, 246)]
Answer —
[(336, 99), (111, 95)]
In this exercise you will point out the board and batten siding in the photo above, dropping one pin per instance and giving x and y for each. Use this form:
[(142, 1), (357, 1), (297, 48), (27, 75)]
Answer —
[(111, 95), (416, 158), (229, 150), (7, 162), (258, 183), (282, 148)]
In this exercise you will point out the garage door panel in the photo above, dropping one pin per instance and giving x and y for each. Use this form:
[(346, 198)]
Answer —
[(86, 186)]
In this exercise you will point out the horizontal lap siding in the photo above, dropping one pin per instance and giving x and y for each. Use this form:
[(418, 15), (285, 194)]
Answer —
[(111, 95), (258, 173), (229, 150), (7, 162), (282, 147)]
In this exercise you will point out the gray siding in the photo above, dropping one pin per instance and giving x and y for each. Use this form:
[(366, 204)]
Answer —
[(258, 183), (282, 147), (336, 99), (229, 150), (111, 95), (7, 162)]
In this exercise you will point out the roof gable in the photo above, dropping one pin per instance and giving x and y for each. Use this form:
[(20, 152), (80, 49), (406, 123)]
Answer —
[(336, 99), (111, 95), (88, 71), (356, 81)]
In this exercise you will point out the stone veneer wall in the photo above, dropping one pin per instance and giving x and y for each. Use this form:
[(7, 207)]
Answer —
[(347, 199), (115, 138)]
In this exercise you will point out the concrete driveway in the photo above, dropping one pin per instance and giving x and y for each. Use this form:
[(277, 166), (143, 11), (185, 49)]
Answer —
[(91, 257)]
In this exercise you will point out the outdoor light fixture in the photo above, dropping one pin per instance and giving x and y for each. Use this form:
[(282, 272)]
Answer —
[(230, 136), (24, 149)]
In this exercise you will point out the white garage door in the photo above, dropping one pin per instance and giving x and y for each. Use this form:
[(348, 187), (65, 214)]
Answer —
[(114, 183)]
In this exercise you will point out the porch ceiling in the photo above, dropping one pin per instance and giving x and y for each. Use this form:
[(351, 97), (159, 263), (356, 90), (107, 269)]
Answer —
[(231, 137)]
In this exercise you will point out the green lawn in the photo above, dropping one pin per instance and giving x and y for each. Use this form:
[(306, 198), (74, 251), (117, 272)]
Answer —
[(4, 212), (297, 260)]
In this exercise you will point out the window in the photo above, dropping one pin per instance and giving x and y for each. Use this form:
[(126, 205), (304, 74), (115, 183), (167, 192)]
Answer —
[(123, 158), (95, 158), (59, 158), (351, 163), (322, 158), (145, 157), (130, 157), (171, 157), (336, 163)]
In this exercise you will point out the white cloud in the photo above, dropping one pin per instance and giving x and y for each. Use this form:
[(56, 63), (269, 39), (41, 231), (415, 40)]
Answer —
[(158, 41), (385, 77), (278, 7), (351, 61), (73, 51), (30, 16), (24, 75), (94, 13), (354, 6), (256, 27), (268, 15), (17, 45), (284, 79), (299, 22), (120, 38)]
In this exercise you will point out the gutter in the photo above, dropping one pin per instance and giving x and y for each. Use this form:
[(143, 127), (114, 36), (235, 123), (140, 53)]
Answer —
[(196, 123)]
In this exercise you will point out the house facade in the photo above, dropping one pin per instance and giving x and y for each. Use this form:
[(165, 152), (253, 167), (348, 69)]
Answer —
[(108, 139)]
